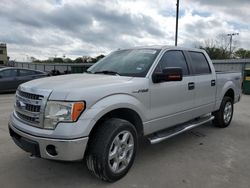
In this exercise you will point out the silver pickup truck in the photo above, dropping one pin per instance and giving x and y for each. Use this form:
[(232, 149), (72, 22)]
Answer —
[(154, 92)]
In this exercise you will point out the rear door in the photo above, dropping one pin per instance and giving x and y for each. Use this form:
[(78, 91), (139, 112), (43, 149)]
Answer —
[(205, 83), (171, 102), (8, 80)]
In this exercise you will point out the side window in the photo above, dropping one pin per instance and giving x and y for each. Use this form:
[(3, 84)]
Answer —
[(173, 59), (199, 63), (25, 72), (8, 73), (36, 73)]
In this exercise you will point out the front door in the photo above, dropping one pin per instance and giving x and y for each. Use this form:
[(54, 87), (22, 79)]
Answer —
[(171, 102)]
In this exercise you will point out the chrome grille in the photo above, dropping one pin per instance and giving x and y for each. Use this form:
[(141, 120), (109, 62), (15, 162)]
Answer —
[(32, 108), (27, 118), (29, 95), (28, 107)]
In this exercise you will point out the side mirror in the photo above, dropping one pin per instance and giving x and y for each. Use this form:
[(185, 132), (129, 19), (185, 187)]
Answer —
[(168, 75)]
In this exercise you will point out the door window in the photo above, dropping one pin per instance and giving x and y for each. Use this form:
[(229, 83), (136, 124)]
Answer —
[(199, 63), (173, 58), (25, 72), (8, 73)]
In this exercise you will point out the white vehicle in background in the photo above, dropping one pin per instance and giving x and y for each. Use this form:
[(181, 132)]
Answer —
[(155, 92)]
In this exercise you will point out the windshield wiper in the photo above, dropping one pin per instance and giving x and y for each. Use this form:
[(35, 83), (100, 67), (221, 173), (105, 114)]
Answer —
[(107, 72)]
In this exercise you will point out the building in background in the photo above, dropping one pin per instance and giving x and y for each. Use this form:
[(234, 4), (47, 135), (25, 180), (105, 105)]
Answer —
[(3, 54)]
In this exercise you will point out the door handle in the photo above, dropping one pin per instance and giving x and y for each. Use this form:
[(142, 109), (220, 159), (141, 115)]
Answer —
[(213, 82), (191, 85)]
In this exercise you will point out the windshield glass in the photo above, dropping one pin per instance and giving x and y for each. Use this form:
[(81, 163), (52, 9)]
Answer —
[(131, 62)]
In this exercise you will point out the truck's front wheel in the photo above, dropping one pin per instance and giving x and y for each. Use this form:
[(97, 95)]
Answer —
[(111, 150), (224, 115)]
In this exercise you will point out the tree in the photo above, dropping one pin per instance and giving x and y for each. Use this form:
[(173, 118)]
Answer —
[(33, 59), (216, 53), (83, 59), (99, 57), (242, 53), (218, 48), (68, 60), (78, 60), (92, 60), (57, 60)]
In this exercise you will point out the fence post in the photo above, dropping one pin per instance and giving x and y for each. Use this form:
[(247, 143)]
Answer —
[(243, 68)]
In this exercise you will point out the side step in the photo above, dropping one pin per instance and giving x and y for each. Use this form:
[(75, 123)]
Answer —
[(170, 132)]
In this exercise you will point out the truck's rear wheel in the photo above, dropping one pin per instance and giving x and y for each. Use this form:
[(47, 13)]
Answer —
[(224, 115), (112, 149)]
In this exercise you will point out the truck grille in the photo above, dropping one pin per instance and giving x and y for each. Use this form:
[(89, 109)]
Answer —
[(29, 95), (27, 118), (28, 107), (32, 108)]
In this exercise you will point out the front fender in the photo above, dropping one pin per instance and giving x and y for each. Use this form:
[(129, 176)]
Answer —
[(109, 103)]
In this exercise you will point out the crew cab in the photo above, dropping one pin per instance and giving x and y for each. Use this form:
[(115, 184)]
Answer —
[(154, 92)]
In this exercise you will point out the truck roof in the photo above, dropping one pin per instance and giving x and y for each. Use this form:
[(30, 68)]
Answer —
[(164, 47)]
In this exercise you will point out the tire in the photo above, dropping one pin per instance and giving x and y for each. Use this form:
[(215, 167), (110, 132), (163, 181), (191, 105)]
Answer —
[(224, 115), (112, 149)]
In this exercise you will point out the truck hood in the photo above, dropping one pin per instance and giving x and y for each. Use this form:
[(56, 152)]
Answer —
[(87, 87), (75, 81)]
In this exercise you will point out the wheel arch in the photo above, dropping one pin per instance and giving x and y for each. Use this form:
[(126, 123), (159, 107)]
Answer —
[(123, 113), (229, 89), (230, 93)]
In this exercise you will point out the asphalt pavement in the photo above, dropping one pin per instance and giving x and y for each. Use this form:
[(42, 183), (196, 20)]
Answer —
[(205, 157)]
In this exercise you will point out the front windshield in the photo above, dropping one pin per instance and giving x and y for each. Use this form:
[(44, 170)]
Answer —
[(131, 62)]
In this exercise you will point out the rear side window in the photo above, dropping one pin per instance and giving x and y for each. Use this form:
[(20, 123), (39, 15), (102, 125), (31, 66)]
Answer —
[(173, 59), (199, 63), (25, 72), (36, 72)]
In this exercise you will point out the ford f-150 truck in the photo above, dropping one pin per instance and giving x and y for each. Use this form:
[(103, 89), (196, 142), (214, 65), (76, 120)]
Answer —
[(154, 92)]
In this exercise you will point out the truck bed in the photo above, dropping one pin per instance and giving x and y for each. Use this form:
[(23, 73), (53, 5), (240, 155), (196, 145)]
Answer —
[(222, 78)]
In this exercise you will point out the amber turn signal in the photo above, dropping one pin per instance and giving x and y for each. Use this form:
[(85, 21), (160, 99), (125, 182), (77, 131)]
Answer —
[(77, 109)]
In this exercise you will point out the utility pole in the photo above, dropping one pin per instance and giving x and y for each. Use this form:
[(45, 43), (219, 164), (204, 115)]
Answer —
[(231, 41), (177, 19)]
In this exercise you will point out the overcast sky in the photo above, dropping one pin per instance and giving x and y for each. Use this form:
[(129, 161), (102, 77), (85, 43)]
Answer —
[(48, 28)]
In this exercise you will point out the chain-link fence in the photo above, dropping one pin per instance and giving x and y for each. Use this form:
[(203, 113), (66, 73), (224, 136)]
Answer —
[(238, 65)]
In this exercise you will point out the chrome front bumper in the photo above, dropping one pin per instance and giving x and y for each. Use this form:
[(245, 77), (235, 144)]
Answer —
[(65, 150)]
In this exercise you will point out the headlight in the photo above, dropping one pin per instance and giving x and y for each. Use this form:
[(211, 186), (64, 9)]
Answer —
[(56, 111)]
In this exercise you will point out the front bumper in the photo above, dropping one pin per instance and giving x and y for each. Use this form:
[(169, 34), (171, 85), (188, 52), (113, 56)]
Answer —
[(65, 150)]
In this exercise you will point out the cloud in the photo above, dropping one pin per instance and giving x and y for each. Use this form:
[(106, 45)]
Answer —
[(75, 28), (229, 10)]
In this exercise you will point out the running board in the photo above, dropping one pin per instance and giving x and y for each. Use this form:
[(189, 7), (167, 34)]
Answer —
[(170, 132)]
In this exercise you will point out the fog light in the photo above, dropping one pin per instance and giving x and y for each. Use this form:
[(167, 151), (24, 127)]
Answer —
[(51, 149)]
